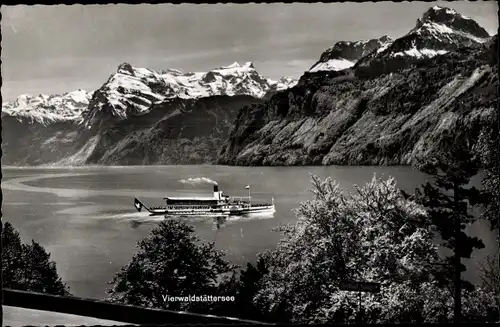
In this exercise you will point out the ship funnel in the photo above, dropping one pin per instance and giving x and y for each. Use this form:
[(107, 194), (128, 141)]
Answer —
[(216, 192)]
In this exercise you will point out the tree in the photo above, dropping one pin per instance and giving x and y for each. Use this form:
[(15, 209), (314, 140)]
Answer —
[(376, 234), (249, 284), (243, 288), (448, 202), (488, 149), (28, 267), (490, 278), (171, 261)]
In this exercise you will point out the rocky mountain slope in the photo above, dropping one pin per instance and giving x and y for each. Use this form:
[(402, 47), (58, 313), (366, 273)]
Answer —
[(176, 131), (345, 54), (365, 115), (133, 91), (138, 116), (437, 32)]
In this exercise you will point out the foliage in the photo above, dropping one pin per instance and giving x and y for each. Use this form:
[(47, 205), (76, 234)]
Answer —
[(247, 287), (376, 234), (488, 149), (490, 277), (243, 286), (448, 202), (171, 261), (28, 267)]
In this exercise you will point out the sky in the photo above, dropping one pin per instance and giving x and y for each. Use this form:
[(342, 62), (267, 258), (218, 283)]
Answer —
[(57, 49)]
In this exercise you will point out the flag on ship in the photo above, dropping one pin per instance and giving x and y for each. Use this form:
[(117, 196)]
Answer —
[(137, 204), (247, 187)]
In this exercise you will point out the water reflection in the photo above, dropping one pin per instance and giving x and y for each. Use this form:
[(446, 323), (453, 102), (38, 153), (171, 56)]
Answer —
[(135, 224), (218, 223)]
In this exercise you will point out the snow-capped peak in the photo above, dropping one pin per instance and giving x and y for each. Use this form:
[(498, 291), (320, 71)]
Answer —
[(49, 108), (345, 54), (133, 90), (283, 83), (233, 65), (437, 32), (447, 10), (79, 96), (453, 20), (249, 64)]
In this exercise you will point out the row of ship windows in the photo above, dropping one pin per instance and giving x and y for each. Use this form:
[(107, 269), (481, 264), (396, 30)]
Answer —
[(191, 207)]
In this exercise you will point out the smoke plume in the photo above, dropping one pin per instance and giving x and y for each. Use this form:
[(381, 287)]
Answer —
[(198, 180)]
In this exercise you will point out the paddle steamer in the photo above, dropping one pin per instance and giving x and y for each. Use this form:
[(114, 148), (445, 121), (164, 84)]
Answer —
[(216, 205)]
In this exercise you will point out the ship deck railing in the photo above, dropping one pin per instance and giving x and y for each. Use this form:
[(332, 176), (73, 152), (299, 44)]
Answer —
[(255, 205)]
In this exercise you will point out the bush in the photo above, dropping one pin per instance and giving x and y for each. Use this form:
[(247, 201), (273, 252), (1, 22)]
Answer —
[(27, 267), (377, 234), (244, 290), (171, 261)]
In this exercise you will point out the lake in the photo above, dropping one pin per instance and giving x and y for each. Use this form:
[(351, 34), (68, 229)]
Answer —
[(85, 218)]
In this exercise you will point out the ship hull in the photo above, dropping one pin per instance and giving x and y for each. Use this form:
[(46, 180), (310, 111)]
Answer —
[(252, 210), (226, 212), (187, 213)]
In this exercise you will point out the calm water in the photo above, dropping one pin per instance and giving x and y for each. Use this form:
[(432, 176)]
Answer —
[(86, 219)]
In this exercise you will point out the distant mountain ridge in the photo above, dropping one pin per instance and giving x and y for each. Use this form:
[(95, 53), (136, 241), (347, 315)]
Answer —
[(47, 109), (138, 116), (133, 91)]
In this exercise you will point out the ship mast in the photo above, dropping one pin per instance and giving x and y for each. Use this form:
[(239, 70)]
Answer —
[(249, 197)]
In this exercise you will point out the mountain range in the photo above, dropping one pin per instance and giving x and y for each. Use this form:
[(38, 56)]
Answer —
[(394, 105), (47, 109), (138, 116), (379, 102)]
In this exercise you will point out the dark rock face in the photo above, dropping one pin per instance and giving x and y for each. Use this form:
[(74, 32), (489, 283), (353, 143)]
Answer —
[(176, 131), (390, 119), (352, 50), (451, 18), (125, 68), (32, 143), (437, 32)]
